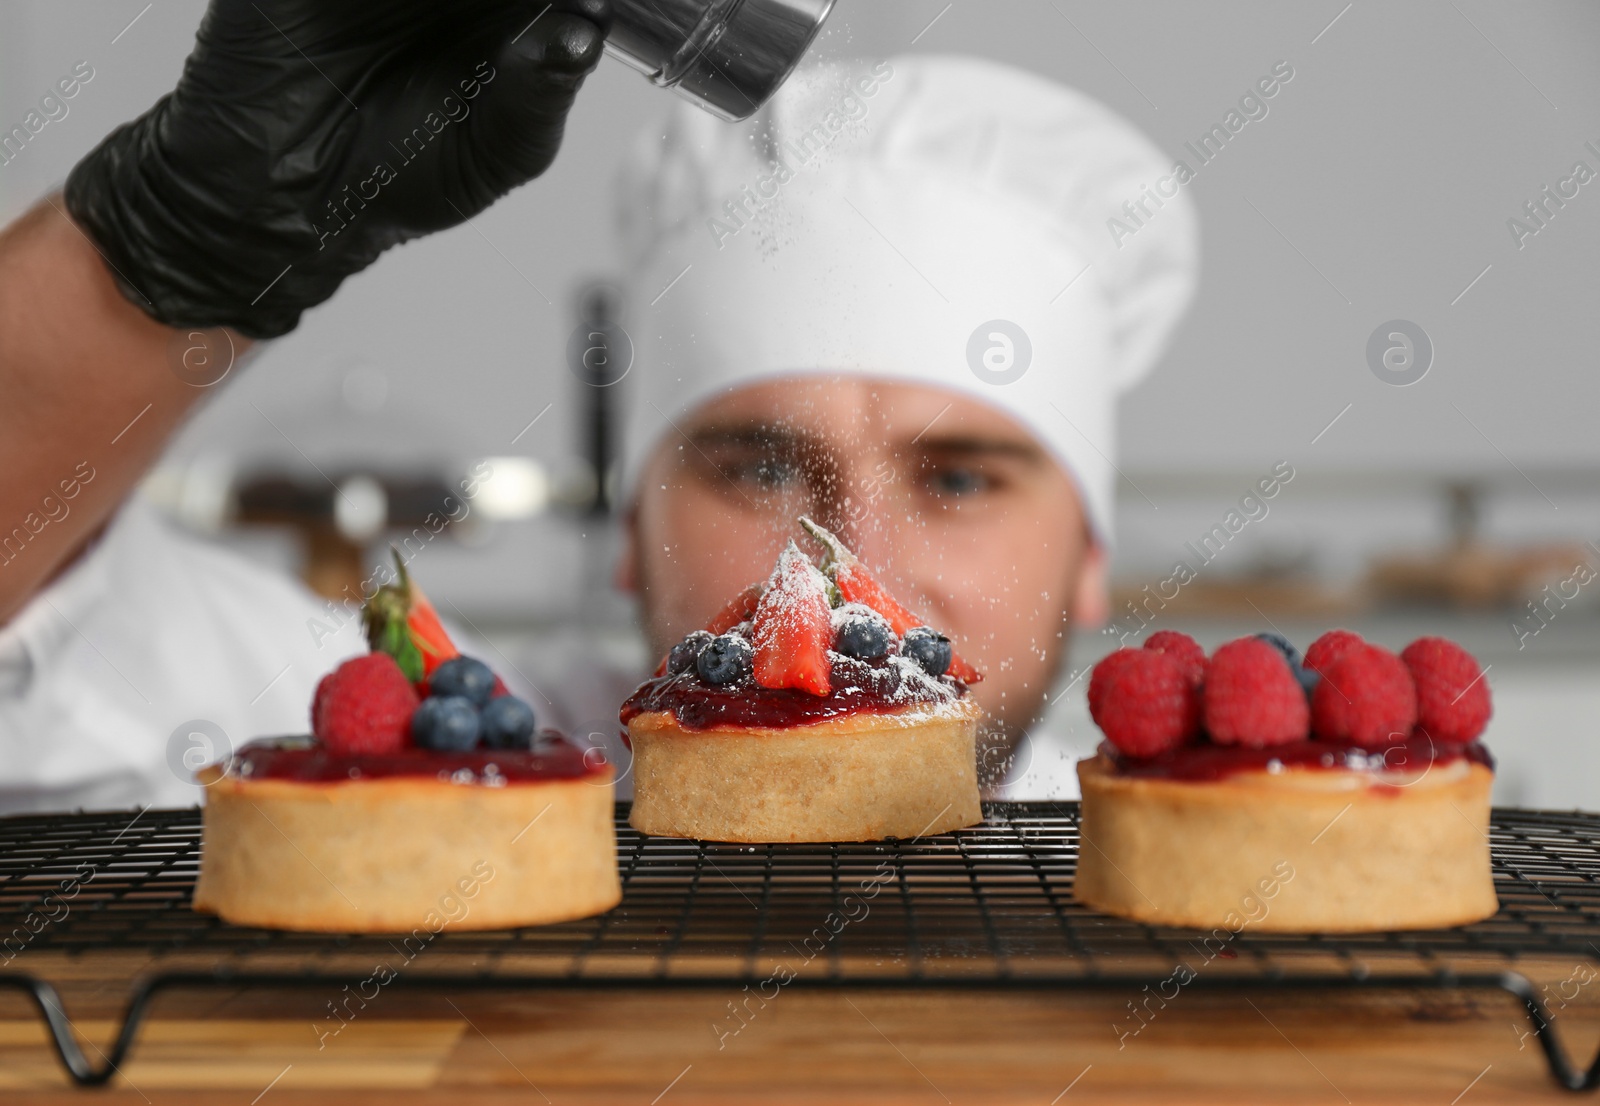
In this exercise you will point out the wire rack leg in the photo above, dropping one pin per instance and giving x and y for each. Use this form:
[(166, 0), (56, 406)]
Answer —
[(71, 1054), (1561, 1067)]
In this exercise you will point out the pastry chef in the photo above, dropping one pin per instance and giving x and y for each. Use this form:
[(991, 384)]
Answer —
[(130, 654), (109, 622), (891, 301)]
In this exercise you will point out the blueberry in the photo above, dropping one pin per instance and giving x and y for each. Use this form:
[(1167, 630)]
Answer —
[(724, 659), (464, 676), (508, 723), (446, 724), (864, 638), (929, 648), (1309, 679), (683, 654), (1282, 645)]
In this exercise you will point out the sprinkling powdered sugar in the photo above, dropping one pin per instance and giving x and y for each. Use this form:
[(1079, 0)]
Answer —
[(812, 655), (793, 583)]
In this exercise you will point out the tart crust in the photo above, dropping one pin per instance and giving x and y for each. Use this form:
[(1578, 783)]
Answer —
[(859, 777), (403, 854), (1362, 851)]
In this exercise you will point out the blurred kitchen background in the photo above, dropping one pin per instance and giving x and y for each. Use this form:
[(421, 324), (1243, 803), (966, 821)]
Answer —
[(1378, 187)]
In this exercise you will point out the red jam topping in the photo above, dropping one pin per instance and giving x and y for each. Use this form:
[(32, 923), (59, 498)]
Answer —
[(1204, 761), (883, 685), (553, 757)]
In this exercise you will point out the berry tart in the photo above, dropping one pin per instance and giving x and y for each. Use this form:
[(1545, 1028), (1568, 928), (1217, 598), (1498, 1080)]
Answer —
[(425, 795), (1345, 792), (814, 707)]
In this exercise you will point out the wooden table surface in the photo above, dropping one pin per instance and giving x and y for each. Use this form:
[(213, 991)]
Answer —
[(919, 1048)]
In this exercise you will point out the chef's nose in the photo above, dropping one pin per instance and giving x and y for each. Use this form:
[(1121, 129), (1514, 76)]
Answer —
[(867, 516)]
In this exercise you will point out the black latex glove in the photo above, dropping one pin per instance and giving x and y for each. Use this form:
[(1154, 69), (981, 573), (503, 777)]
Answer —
[(308, 136)]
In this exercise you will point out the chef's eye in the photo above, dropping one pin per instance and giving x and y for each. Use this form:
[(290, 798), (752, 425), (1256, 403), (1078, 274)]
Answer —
[(768, 474), (957, 481)]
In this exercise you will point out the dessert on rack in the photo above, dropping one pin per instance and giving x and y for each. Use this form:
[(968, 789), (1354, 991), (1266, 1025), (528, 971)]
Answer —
[(1346, 791), (424, 798), (813, 707)]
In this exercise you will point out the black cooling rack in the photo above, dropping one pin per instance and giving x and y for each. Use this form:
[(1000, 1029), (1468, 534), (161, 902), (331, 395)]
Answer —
[(985, 908)]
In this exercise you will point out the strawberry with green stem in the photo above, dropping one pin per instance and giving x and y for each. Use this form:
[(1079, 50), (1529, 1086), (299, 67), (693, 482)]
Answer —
[(401, 622), (857, 585), (793, 627)]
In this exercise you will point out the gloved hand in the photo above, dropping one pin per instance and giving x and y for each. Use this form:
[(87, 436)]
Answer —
[(306, 137)]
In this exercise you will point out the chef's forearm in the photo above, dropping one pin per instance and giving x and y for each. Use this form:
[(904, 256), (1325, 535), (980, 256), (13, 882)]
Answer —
[(90, 397)]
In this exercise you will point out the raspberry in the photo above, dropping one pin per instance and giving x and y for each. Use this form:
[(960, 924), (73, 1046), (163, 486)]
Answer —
[(1452, 696), (1366, 696), (1252, 697), (1183, 649), (364, 706), (1143, 701), (1329, 648)]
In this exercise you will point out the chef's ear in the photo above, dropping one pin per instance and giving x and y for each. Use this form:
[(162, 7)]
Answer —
[(626, 579), (1092, 604)]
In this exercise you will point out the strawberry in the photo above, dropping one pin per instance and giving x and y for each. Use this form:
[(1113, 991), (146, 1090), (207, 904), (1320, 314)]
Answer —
[(794, 627), (428, 633), (857, 585), (742, 608), (402, 623)]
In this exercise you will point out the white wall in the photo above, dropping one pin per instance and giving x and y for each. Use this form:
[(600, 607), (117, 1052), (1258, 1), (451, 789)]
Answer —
[(1391, 163)]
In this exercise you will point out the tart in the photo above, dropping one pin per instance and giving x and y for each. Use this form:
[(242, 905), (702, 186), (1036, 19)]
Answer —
[(1345, 794), (814, 707), (298, 837), (423, 799)]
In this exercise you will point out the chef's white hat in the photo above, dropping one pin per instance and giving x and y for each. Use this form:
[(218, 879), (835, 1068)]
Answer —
[(947, 220)]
